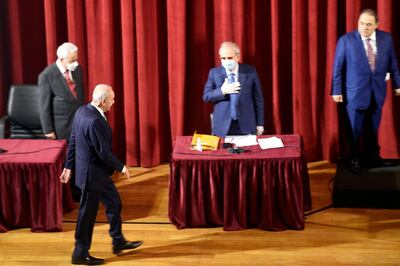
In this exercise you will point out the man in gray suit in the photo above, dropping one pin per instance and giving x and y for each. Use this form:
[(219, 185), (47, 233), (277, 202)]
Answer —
[(60, 93)]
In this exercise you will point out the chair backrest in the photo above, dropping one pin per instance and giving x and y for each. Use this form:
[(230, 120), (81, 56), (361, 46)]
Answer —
[(23, 112)]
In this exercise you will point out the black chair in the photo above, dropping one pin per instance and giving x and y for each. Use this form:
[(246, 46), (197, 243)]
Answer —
[(22, 120)]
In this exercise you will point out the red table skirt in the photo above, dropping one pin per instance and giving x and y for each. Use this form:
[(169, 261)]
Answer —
[(31, 194), (240, 192)]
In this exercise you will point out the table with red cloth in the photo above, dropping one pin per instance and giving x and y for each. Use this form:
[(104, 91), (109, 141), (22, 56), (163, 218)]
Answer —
[(31, 194), (267, 189)]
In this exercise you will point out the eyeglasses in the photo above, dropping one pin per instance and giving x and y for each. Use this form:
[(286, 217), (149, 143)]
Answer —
[(369, 25), (226, 58)]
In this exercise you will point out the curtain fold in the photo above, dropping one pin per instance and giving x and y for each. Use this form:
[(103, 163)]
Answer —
[(129, 79), (176, 28), (3, 70), (157, 54)]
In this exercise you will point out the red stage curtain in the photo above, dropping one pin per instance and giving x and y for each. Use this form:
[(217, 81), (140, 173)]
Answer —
[(156, 55)]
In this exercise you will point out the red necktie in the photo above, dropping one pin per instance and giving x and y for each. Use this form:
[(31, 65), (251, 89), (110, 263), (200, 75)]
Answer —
[(71, 84), (370, 55)]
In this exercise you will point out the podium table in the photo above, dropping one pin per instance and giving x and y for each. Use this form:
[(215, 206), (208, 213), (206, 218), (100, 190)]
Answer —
[(267, 189), (31, 194)]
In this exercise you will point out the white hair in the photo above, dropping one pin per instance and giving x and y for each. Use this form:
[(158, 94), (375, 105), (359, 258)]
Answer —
[(231, 45), (65, 49), (101, 92)]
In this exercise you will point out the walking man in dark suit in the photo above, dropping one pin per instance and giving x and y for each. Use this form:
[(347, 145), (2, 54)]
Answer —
[(90, 156), (362, 60), (236, 93)]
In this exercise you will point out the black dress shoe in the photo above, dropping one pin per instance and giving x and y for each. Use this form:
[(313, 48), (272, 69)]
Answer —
[(355, 166), (128, 245), (89, 260)]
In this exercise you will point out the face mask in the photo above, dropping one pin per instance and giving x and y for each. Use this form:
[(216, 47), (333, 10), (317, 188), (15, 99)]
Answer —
[(72, 66), (229, 64)]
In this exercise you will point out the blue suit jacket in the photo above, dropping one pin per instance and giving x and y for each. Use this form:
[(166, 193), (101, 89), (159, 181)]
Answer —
[(89, 150), (352, 76), (250, 100)]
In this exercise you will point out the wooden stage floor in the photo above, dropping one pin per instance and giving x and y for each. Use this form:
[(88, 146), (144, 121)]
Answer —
[(332, 236)]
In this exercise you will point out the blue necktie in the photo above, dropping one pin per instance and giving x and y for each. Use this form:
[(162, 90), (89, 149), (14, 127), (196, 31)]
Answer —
[(233, 96)]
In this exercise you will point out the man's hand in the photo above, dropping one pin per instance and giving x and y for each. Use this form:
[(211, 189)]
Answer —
[(65, 175), (51, 135), (397, 92), (259, 130), (125, 172), (229, 88), (337, 98)]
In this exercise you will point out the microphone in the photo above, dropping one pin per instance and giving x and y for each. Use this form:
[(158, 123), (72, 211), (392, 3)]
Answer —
[(236, 150)]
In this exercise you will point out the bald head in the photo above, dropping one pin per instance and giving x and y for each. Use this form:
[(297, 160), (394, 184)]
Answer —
[(230, 46), (103, 97)]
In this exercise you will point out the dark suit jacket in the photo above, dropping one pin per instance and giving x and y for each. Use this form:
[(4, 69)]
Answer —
[(57, 105), (89, 150), (250, 100), (352, 75)]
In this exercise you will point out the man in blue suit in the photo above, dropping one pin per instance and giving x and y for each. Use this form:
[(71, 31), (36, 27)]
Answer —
[(362, 60), (236, 92), (90, 156)]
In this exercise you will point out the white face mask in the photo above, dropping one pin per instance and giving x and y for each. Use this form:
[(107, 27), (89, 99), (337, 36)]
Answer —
[(229, 64), (72, 66)]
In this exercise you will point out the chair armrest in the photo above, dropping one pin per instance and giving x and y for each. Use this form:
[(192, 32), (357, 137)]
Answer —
[(4, 127)]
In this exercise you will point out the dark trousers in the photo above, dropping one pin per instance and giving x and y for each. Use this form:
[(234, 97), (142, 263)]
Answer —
[(88, 208), (234, 128), (364, 128), (76, 191)]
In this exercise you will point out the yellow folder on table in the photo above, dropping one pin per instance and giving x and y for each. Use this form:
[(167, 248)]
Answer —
[(204, 142)]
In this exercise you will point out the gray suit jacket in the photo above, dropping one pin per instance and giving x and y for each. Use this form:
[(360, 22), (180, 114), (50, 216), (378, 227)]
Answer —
[(57, 105)]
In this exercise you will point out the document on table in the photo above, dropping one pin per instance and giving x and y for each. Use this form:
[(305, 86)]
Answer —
[(269, 143), (241, 141)]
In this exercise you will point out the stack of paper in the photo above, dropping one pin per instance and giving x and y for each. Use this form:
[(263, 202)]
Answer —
[(241, 141), (269, 143)]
